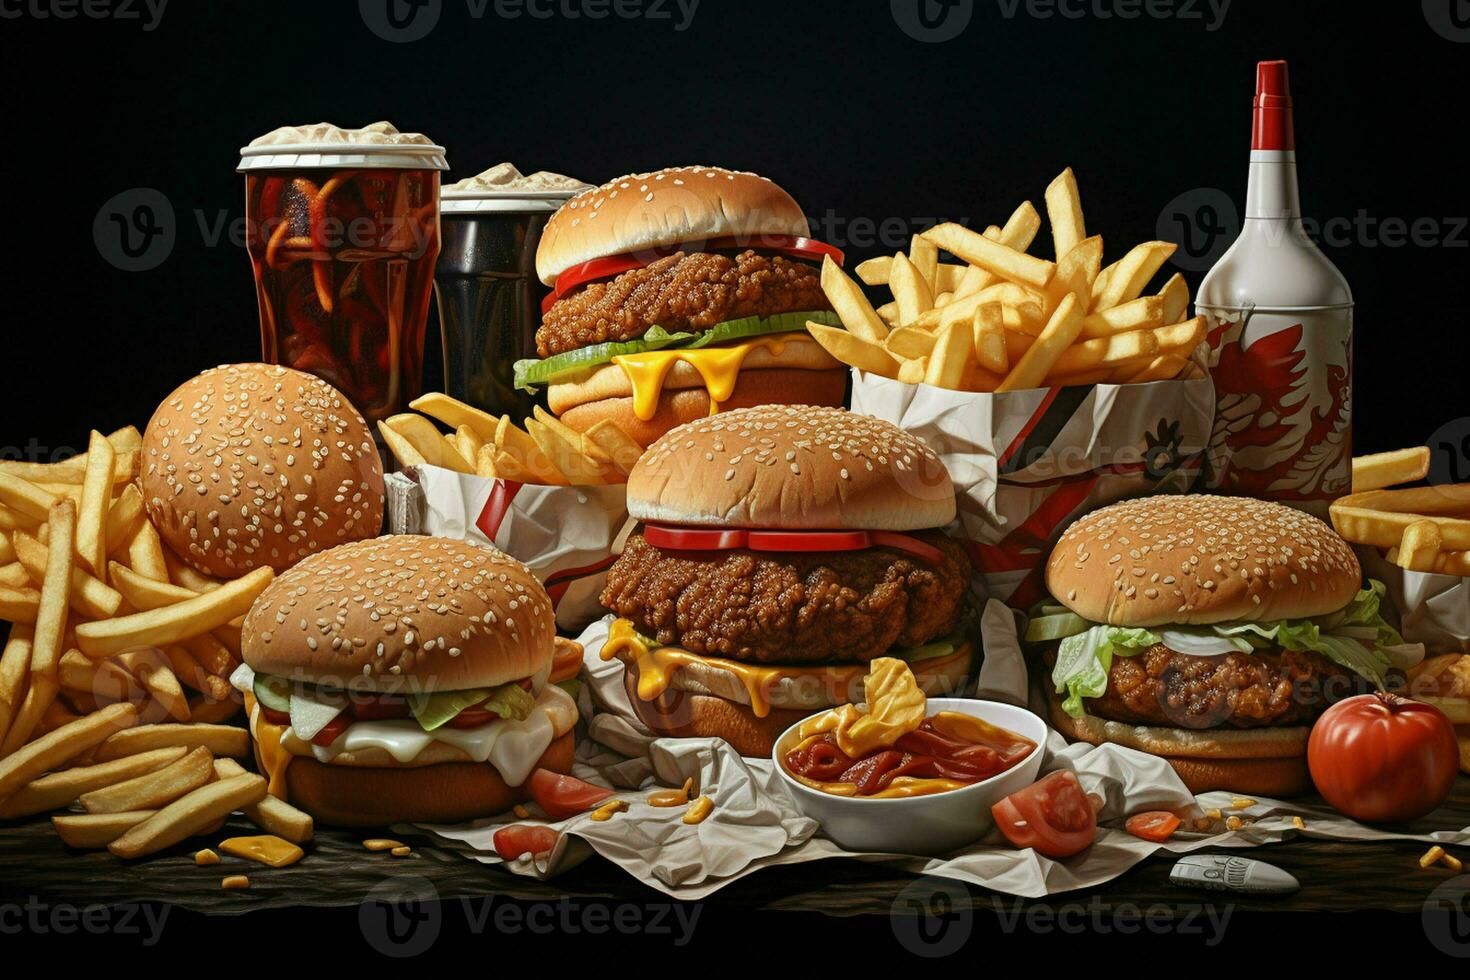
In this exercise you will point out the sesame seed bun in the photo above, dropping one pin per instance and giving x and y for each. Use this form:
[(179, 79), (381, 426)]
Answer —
[(664, 207), (403, 613), (1199, 559), (795, 467), (249, 465)]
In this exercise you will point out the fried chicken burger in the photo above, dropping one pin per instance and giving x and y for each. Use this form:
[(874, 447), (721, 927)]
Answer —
[(781, 549), (404, 678), (675, 293), (1212, 631)]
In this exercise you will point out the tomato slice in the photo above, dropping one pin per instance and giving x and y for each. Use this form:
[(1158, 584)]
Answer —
[(1053, 816), (808, 540), (275, 717), (563, 796), (472, 718), (333, 730), (615, 265), (694, 538), (523, 838), (1153, 825), (926, 553), (733, 539), (379, 707)]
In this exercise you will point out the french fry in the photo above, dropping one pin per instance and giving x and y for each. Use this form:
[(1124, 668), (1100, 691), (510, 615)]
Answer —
[(101, 679), (952, 356), (849, 348), (91, 530), (11, 520), (191, 673), (1420, 546), (144, 593), (852, 306), (427, 440), (170, 624), (1379, 470), (924, 257), (988, 335), (1131, 274), (55, 590), (25, 498), (1076, 270), (911, 341), (911, 290), (204, 711), (273, 815), (152, 789), (145, 553), (468, 442), (187, 576), (55, 748), (14, 576), (212, 654), (1107, 352), (1175, 297), (154, 673), (1445, 563), (26, 725), (1064, 210), (616, 444), (189, 814), (1380, 517), (998, 259), (1164, 367), (15, 664), (403, 449), (7, 550), (565, 456), (90, 597), (60, 789), (947, 275), (220, 740), (19, 605), (124, 515), (1058, 334), (86, 831), (456, 414), (913, 372), (588, 457), (976, 278), (1143, 313)]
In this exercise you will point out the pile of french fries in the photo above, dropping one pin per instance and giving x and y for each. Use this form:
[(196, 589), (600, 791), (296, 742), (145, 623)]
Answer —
[(101, 613), (546, 452), (1002, 319), (141, 788), (1422, 529)]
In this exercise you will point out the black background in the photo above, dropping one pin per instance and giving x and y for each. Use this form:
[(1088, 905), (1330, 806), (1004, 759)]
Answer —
[(861, 122)]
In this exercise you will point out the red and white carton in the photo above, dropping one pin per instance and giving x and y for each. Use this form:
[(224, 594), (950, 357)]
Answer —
[(1025, 464), (1280, 327), (567, 536)]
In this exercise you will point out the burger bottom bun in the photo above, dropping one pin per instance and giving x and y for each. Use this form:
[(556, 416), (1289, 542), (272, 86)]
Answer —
[(1260, 761), (451, 792), (689, 709), (778, 386)]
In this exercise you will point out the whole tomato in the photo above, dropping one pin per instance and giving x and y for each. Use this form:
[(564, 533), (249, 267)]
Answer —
[(1382, 758)]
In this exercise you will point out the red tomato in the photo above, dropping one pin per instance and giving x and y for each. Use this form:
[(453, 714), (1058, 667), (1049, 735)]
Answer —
[(275, 717), (1383, 758), (675, 538), (333, 730), (562, 796), (1053, 816), (472, 718), (1155, 825), (379, 707), (693, 538), (523, 838)]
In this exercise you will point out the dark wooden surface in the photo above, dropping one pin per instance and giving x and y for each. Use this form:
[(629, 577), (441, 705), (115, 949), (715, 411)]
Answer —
[(339, 872)]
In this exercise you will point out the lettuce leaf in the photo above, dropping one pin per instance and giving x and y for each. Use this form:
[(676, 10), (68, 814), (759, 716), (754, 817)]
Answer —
[(1084, 659)]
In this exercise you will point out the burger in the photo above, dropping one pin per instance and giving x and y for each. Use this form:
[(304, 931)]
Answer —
[(781, 549), (248, 465), (405, 678), (675, 294), (1211, 631)]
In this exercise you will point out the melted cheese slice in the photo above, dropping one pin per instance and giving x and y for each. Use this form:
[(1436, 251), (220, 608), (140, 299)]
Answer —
[(718, 366)]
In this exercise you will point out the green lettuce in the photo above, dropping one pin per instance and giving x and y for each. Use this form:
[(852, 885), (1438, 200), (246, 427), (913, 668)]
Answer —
[(1084, 659)]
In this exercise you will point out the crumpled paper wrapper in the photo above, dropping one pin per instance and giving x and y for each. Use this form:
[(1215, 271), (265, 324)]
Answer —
[(565, 535), (755, 824), (1025, 463), (1438, 606)]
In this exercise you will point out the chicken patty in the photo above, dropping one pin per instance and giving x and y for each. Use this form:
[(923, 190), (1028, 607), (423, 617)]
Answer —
[(683, 291), (1235, 690), (789, 607)]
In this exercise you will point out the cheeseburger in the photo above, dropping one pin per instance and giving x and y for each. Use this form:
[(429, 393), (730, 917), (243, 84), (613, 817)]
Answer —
[(783, 548), (404, 678), (677, 293), (1212, 631)]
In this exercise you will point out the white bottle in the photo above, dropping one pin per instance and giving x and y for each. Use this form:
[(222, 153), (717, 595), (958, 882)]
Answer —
[(1280, 320)]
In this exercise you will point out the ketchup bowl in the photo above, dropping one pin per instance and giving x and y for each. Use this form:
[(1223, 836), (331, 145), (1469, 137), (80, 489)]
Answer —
[(933, 824)]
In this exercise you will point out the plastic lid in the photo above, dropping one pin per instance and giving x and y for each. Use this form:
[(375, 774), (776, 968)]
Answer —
[(319, 145)]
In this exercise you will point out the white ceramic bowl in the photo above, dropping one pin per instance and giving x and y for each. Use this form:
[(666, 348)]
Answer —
[(933, 824)]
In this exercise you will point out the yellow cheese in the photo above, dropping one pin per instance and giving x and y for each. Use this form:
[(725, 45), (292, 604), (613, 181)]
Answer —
[(718, 366), (268, 849)]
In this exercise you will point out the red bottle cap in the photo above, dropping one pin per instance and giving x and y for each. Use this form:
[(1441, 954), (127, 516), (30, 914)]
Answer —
[(1271, 124)]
